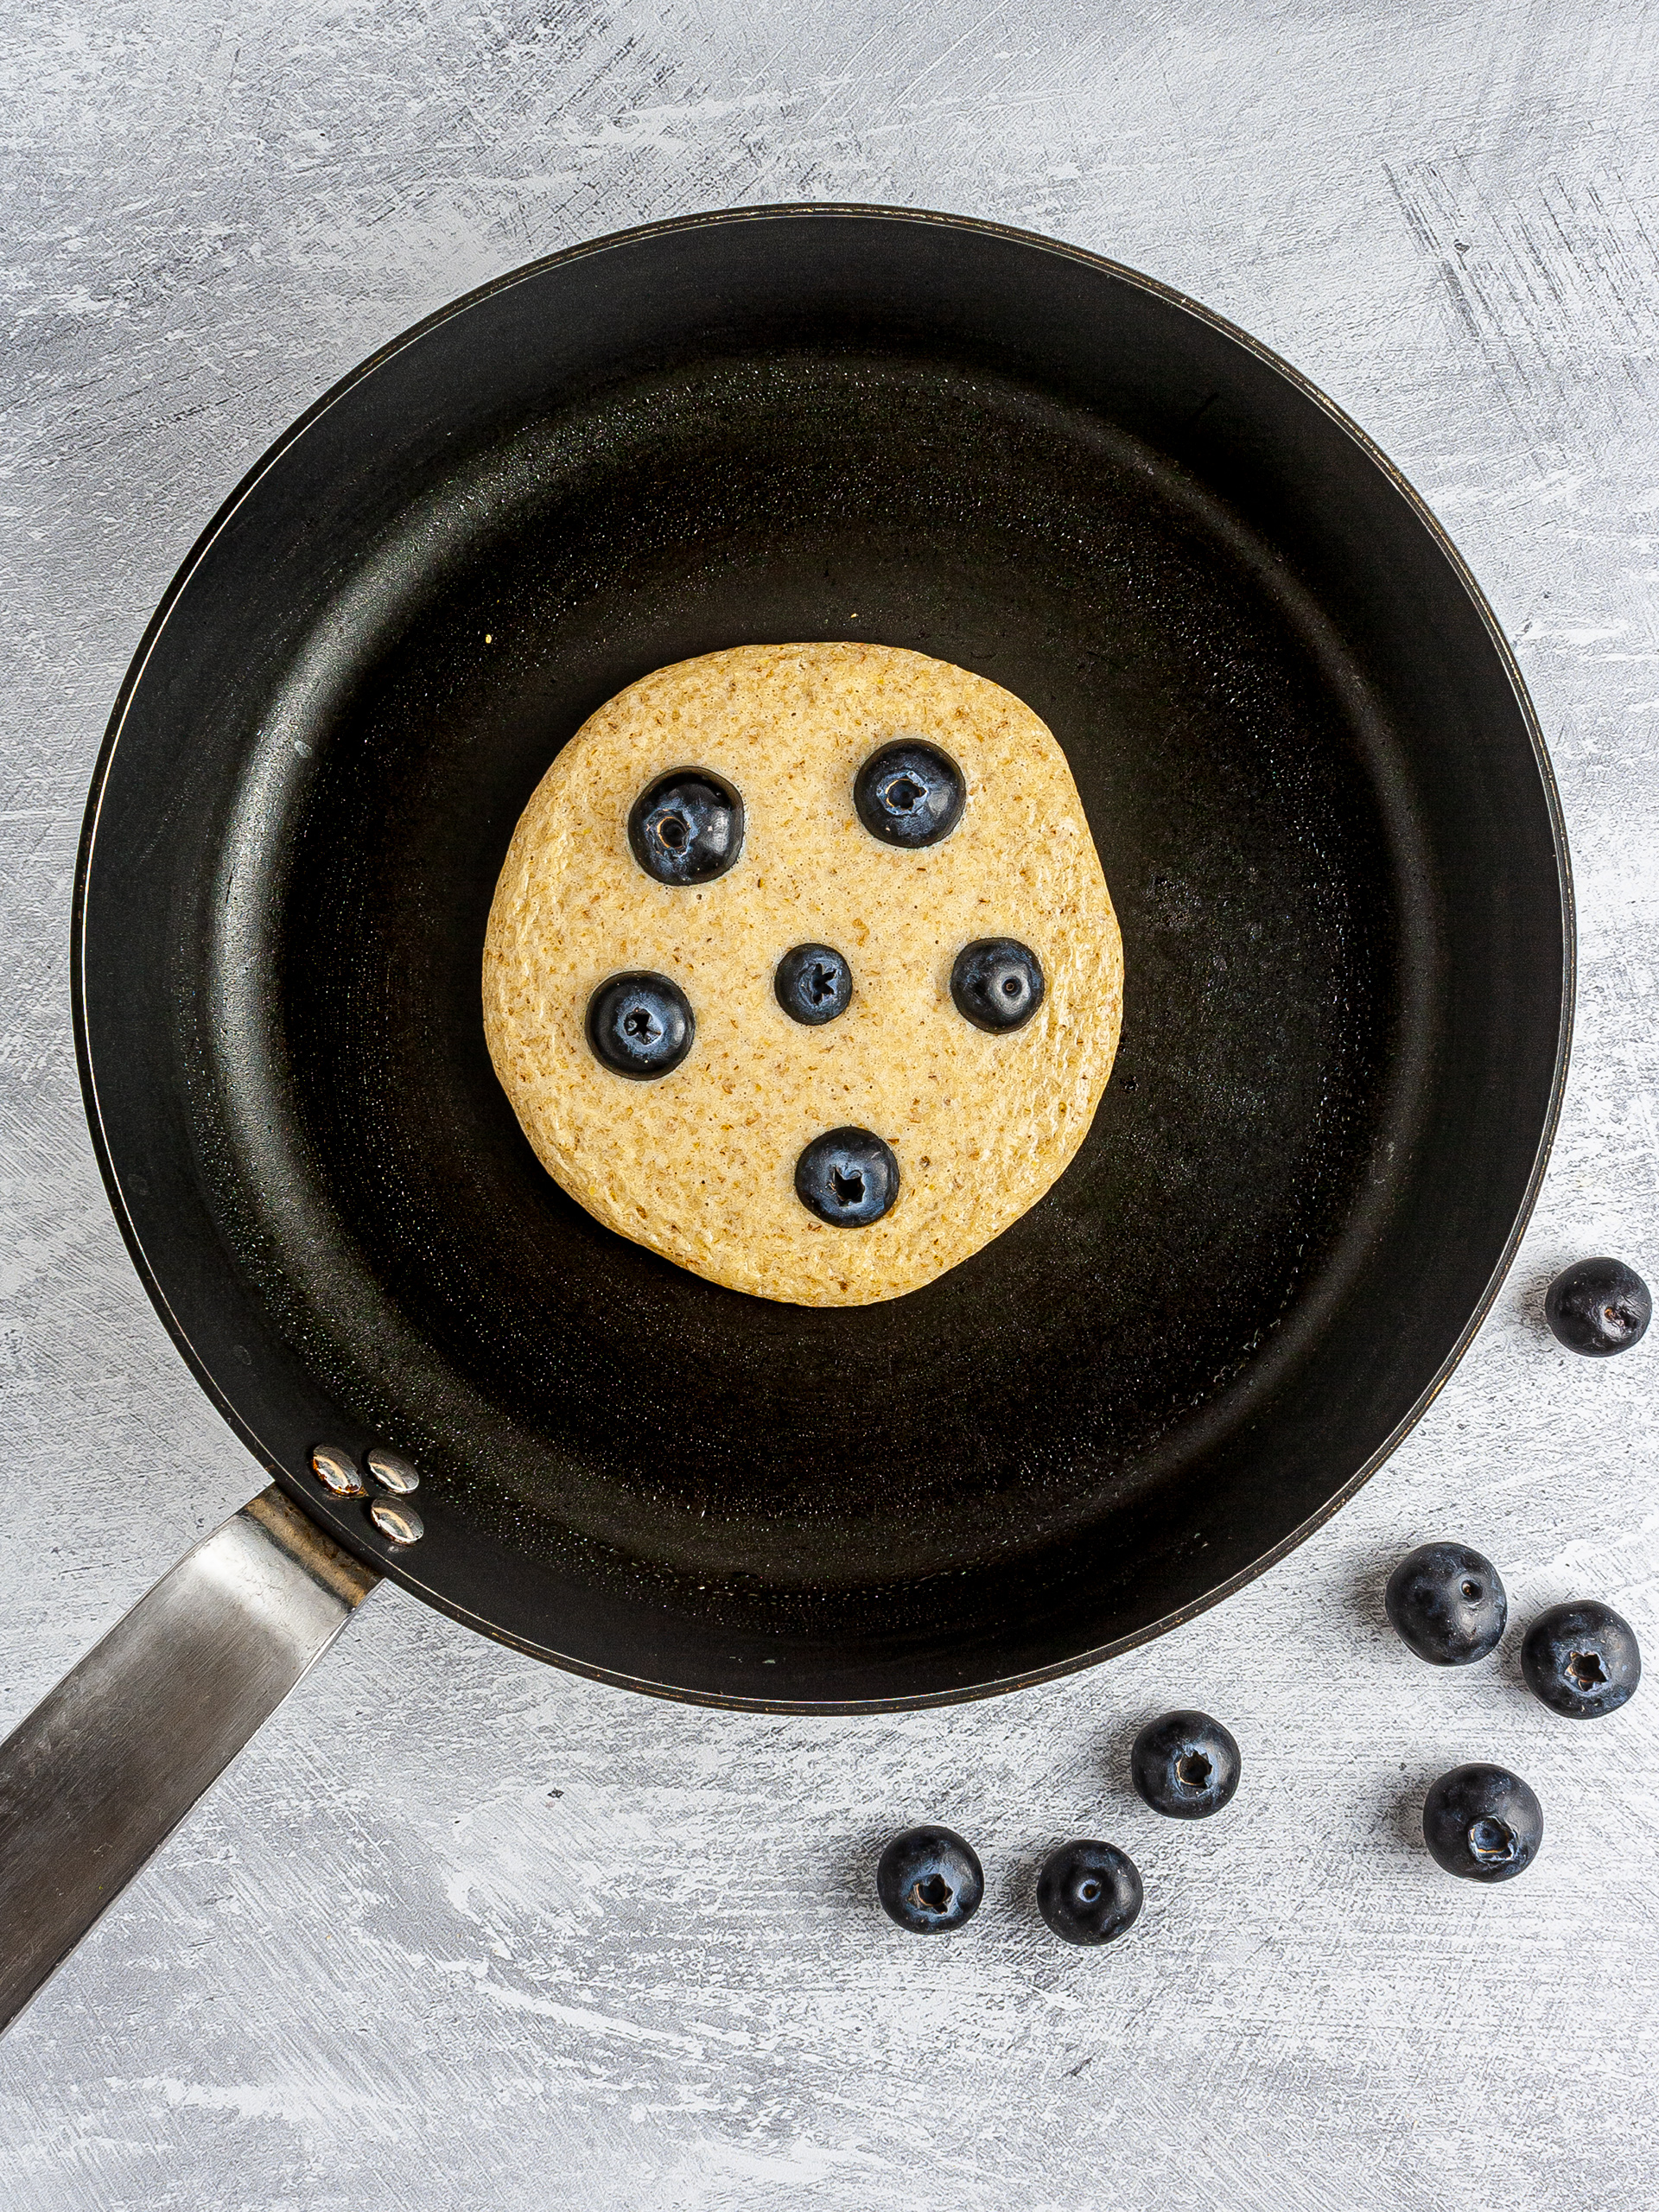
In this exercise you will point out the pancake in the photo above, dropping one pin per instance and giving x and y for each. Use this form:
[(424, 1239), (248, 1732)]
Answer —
[(700, 1163)]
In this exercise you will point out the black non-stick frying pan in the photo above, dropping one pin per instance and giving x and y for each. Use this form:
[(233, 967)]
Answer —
[(1328, 824)]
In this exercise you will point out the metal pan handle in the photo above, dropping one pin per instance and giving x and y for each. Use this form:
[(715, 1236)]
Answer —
[(102, 1772)]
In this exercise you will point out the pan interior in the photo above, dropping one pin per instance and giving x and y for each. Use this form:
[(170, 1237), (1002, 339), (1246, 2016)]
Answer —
[(814, 1472)]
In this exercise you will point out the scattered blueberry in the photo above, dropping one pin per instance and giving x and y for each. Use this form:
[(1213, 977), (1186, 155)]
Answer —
[(909, 794), (1185, 1764), (687, 828), (813, 983), (997, 983), (930, 1881), (1089, 1892), (1582, 1659), (1598, 1307), (847, 1176), (640, 1024), (1481, 1822), (1448, 1603)]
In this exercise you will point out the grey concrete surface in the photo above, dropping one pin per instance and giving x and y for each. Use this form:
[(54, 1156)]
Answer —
[(459, 1932)]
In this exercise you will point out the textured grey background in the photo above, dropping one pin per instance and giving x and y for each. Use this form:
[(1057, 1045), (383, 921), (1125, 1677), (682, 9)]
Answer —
[(459, 1932)]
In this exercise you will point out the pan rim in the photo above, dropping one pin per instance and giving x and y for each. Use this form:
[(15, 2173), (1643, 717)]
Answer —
[(402, 1572)]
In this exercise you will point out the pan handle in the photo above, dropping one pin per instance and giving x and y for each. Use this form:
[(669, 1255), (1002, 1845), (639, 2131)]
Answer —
[(102, 1772)]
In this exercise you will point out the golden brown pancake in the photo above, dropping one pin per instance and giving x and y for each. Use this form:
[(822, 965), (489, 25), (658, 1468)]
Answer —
[(699, 1164)]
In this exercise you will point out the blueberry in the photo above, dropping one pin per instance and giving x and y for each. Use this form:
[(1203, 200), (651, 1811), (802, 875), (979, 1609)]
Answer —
[(930, 1881), (1598, 1307), (1185, 1764), (640, 1024), (687, 828), (813, 983), (1481, 1822), (997, 983), (1448, 1603), (1089, 1892), (909, 794), (847, 1176), (1582, 1659)]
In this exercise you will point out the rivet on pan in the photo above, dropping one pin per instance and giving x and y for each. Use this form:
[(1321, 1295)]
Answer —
[(402, 1523), (337, 1470), (392, 1471)]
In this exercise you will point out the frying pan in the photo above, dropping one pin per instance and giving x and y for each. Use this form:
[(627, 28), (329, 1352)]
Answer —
[(1322, 807)]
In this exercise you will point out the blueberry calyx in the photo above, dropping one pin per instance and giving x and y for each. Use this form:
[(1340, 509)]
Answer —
[(1598, 1307), (1493, 1842), (847, 1176), (997, 983), (909, 794), (687, 828), (1448, 1603), (1089, 1892), (929, 1880), (641, 1025), (813, 983), (1186, 1765), (1582, 1659), (1483, 1823)]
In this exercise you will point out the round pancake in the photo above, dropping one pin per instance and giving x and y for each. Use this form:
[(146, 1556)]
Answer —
[(699, 1164)]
